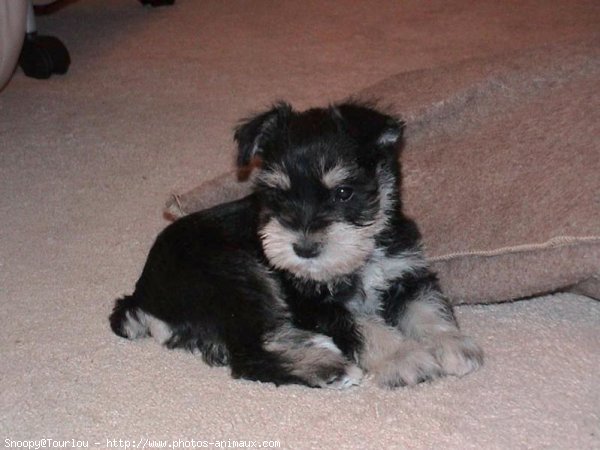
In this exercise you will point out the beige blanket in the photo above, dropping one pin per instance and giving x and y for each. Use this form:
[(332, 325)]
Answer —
[(501, 170)]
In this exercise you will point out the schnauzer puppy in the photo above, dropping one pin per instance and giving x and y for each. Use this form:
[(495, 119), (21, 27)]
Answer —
[(317, 277)]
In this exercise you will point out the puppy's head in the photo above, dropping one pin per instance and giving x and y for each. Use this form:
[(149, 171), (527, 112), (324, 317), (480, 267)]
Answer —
[(327, 185)]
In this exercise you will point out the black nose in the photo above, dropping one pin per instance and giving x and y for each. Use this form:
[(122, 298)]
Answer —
[(306, 249)]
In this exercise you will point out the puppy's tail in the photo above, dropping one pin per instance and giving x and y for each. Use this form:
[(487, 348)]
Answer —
[(126, 320)]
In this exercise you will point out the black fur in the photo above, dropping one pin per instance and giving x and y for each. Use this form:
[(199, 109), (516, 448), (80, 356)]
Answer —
[(237, 282)]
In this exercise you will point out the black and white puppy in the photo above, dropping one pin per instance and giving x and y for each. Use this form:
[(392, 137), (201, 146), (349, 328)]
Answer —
[(317, 277)]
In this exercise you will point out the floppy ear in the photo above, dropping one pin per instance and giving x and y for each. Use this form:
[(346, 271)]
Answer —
[(256, 133), (369, 126)]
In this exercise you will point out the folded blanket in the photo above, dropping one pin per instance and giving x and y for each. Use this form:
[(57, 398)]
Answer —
[(501, 170)]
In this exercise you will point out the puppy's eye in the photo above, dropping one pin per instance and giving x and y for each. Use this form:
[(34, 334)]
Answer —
[(343, 193)]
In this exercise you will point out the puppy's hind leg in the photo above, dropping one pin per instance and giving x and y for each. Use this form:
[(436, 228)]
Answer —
[(129, 321), (126, 320)]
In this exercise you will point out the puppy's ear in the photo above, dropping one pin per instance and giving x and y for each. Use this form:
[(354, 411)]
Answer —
[(369, 126), (253, 135)]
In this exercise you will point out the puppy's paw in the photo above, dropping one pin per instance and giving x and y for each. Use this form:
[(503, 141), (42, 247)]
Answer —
[(314, 359), (336, 374), (457, 354), (408, 367), (351, 376)]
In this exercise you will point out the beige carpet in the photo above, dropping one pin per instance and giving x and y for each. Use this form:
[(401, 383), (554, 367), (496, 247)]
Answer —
[(87, 161)]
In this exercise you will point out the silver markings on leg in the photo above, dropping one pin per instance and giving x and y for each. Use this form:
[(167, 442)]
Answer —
[(314, 358), (159, 330), (426, 315), (429, 319), (411, 364), (458, 354), (393, 360), (141, 324), (134, 325)]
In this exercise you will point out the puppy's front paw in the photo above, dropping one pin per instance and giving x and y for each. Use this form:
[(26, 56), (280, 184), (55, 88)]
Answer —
[(457, 354), (408, 366)]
